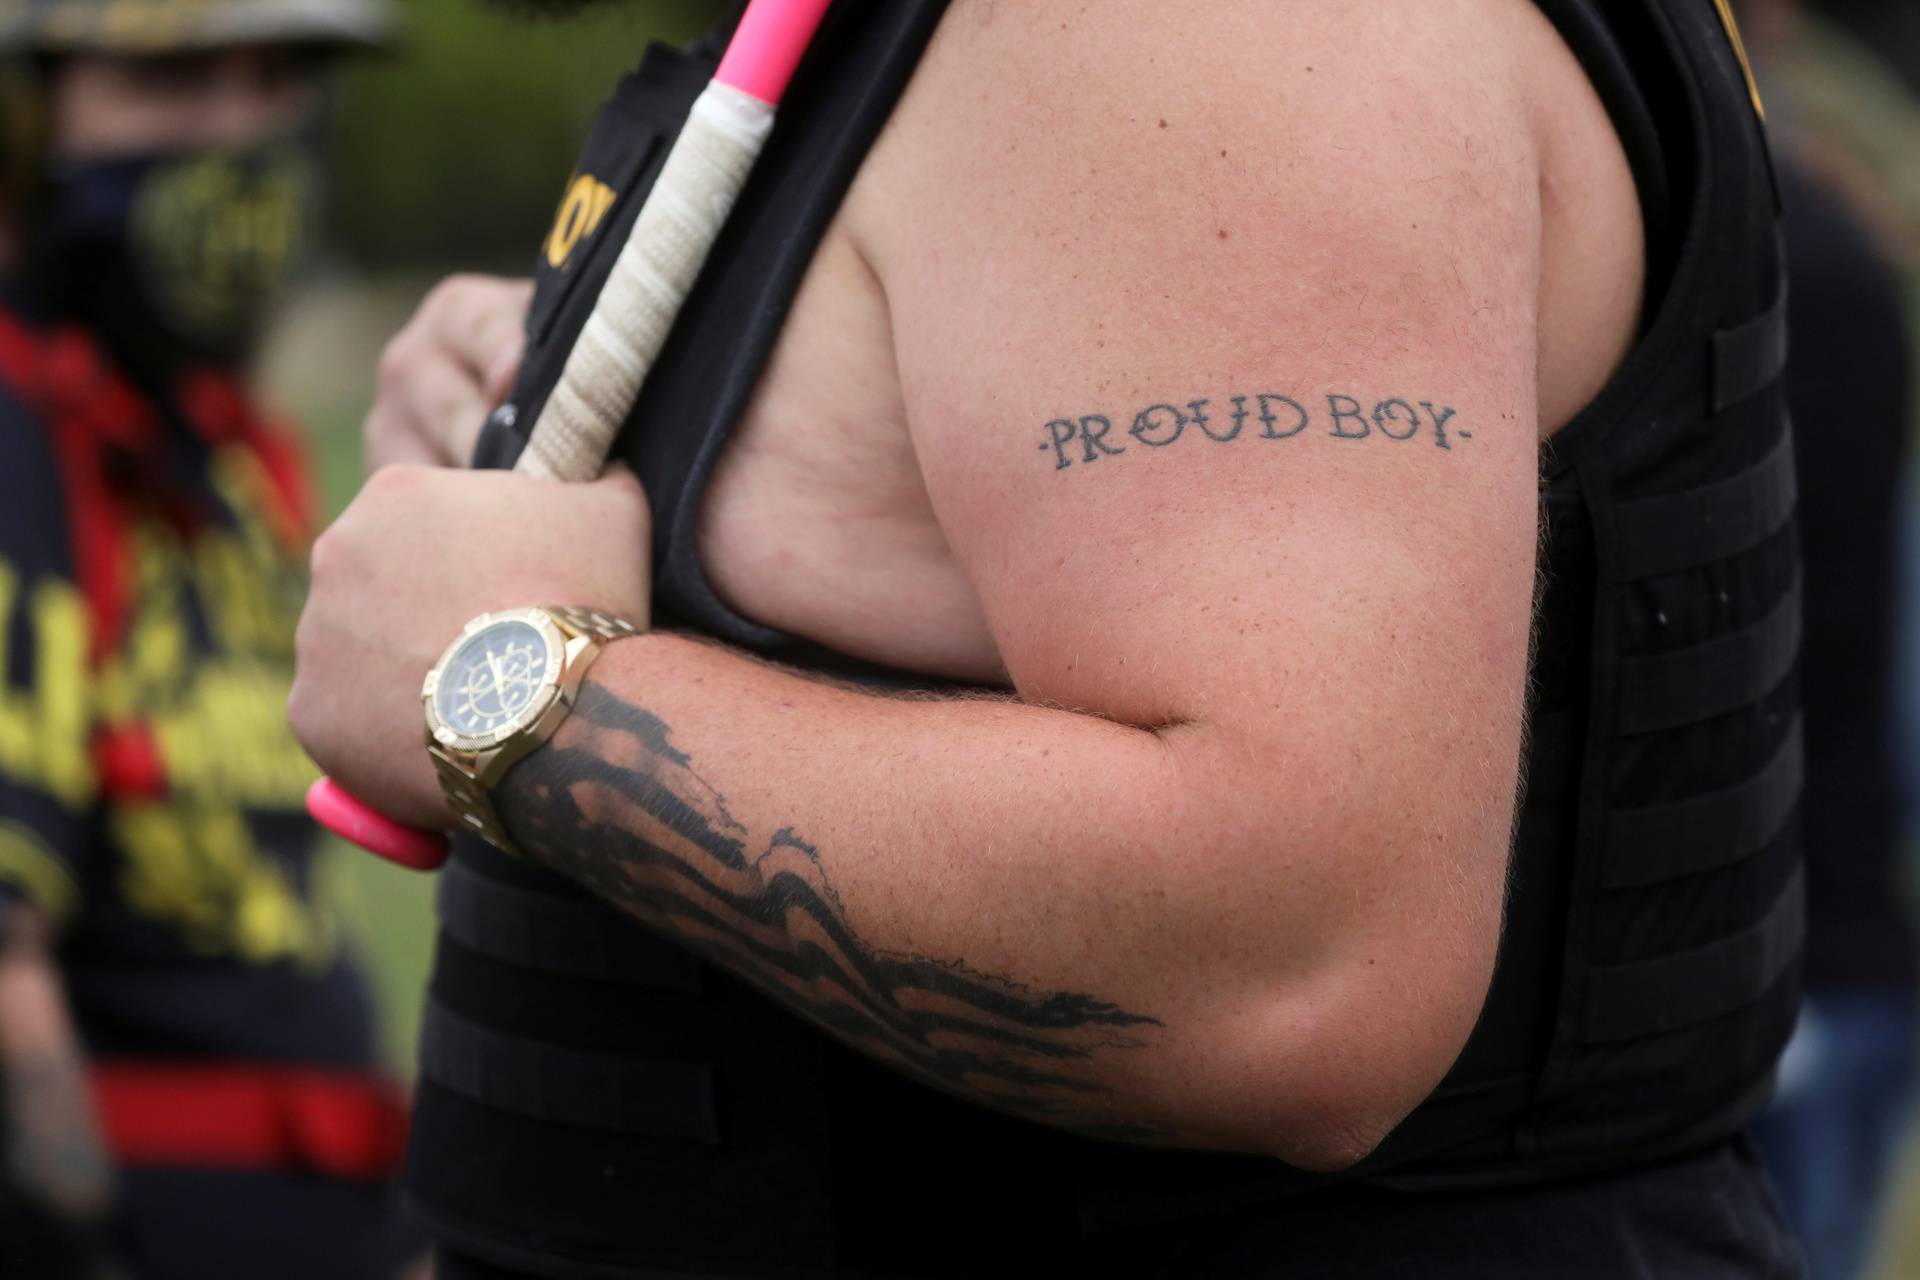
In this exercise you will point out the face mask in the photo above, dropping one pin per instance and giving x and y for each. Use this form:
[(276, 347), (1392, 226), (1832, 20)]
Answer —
[(175, 258)]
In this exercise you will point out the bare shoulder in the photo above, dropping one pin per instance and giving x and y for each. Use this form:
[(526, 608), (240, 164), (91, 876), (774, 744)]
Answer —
[(1279, 183), (1211, 259), (1275, 138), (1293, 98)]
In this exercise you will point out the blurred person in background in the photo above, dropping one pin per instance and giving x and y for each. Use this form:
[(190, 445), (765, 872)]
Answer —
[(1847, 1079), (186, 1053)]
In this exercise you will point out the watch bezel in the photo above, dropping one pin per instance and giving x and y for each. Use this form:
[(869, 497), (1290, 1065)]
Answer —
[(547, 692)]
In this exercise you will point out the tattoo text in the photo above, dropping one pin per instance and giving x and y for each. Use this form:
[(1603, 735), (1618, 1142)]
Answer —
[(1251, 419)]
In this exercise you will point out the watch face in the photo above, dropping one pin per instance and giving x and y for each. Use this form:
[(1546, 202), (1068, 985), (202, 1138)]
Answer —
[(492, 679)]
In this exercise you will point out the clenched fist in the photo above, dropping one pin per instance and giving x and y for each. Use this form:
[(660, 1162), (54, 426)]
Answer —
[(421, 551)]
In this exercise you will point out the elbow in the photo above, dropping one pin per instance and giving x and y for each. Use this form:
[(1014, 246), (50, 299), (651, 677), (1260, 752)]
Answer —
[(1338, 1138), (1330, 1124), (1343, 989), (1343, 1070)]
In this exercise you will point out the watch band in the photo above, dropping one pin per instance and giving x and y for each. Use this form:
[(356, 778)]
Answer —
[(471, 803), (591, 622), (472, 806)]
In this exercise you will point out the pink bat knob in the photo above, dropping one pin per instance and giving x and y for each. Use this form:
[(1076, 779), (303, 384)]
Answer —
[(772, 37), (353, 819)]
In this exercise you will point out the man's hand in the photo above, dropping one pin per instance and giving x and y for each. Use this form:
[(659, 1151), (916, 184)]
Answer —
[(450, 367), (420, 552)]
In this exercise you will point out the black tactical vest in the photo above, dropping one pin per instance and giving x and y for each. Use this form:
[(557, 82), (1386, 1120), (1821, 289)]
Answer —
[(592, 1094)]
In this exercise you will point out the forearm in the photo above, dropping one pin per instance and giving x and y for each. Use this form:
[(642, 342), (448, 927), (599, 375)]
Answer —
[(54, 1151), (1014, 903)]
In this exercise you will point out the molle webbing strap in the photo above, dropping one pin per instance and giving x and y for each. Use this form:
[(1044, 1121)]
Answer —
[(1653, 845), (1676, 531), (1750, 357), (620, 1093), (1665, 691), (574, 937), (1666, 993)]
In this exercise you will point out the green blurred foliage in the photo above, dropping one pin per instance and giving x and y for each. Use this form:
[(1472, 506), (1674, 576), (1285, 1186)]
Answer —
[(451, 152)]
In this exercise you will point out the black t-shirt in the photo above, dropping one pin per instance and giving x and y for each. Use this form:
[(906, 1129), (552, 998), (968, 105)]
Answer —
[(151, 575)]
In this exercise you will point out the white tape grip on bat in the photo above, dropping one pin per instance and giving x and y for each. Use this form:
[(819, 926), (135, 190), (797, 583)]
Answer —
[(663, 255)]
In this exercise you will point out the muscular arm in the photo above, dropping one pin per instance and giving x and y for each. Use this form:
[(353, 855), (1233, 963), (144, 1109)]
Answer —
[(1223, 386), (696, 832)]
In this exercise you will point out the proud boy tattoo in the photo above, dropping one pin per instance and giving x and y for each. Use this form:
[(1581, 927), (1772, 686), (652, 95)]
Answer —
[(1094, 437)]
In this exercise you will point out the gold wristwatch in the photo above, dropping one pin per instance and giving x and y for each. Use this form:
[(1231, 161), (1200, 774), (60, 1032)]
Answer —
[(500, 690)]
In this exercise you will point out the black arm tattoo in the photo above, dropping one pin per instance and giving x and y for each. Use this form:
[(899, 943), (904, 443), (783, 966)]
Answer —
[(615, 806), (1090, 438)]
